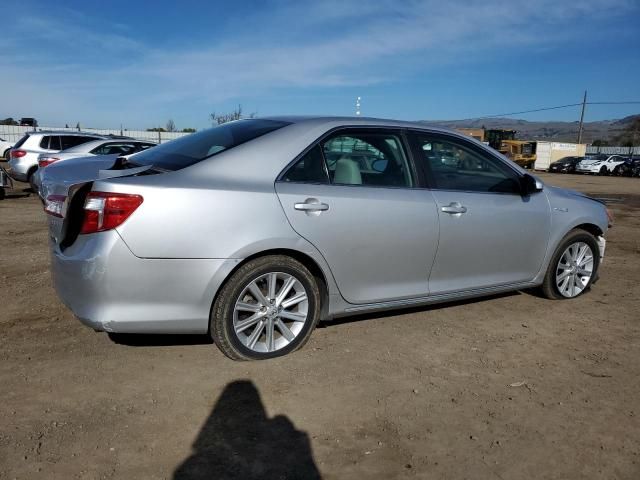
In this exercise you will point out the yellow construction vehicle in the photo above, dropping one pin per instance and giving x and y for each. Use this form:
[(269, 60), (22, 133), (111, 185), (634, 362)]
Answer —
[(521, 152)]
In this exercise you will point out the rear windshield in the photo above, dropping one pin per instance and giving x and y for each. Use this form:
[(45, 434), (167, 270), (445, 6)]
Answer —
[(193, 148)]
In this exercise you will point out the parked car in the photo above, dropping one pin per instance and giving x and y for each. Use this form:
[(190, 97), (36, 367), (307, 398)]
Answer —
[(28, 122), (244, 231), (628, 168), (5, 183), (23, 160), (118, 146), (601, 164), (5, 146), (565, 165)]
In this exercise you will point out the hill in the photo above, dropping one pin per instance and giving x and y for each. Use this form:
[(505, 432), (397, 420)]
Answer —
[(552, 130)]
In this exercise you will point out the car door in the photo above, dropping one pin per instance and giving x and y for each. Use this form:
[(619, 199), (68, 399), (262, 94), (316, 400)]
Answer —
[(490, 234), (353, 195)]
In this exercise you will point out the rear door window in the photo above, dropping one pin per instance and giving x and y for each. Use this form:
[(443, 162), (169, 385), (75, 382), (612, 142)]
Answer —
[(309, 169), (370, 158), (114, 149), (69, 141), (50, 142)]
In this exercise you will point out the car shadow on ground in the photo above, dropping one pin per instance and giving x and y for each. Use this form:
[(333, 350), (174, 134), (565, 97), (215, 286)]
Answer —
[(15, 193), (168, 340), (239, 441), (159, 340)]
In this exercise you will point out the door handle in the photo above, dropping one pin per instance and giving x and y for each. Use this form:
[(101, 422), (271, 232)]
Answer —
[(311, 205), (454, 208)]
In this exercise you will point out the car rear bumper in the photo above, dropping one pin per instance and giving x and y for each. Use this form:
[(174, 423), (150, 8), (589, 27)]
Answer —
[(18, 168), (110, 289)]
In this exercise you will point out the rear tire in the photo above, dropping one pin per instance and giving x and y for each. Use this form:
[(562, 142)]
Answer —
[(33, 187), (565, 270), (5, 154), (253, 320)]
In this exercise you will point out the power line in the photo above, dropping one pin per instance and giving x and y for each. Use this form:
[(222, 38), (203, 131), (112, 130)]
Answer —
[(553, 108)]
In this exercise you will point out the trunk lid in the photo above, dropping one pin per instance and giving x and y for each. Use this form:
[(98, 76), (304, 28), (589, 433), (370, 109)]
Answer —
[(65, 185)]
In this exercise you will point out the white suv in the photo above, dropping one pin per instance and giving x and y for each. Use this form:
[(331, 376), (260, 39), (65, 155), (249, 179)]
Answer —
[(603, 165), (5, 147), (23, 157)]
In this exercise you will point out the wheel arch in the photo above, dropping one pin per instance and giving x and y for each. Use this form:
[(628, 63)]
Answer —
[(31, 171), (309, 262), (592, 228)]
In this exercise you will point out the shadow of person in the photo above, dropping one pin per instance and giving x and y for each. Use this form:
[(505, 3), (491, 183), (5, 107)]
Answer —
[(238, 441)]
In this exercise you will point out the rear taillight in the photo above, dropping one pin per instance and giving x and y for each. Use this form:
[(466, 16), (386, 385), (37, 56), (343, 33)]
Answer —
[(17, 153), (105, 210), (44, 161), (54, 205)]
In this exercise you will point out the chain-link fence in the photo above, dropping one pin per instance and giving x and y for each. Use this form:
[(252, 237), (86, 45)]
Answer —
[(13, 133), (614, 150)]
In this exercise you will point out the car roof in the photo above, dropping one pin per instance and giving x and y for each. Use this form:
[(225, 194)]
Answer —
[(63, 132), (266, 156), (319, 121)]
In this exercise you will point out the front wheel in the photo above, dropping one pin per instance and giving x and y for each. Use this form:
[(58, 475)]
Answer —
[(268, 308), (573, 266), (603, 171)]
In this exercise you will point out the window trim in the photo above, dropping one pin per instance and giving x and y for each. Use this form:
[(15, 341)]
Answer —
[(397, 131), (426, 170)]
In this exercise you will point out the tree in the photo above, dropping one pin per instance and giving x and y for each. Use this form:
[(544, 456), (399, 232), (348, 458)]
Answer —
[(156, 129), (600, 143), (229, 117), (8, 121), (188, 130), (171, 126)]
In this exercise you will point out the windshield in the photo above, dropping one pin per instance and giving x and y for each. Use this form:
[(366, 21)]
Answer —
[(190, 149)]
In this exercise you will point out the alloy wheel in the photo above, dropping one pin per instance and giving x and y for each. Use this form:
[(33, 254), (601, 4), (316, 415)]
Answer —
[(270, 312), (574, 269)]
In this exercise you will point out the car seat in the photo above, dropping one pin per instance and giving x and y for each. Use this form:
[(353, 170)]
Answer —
[(347, 172)]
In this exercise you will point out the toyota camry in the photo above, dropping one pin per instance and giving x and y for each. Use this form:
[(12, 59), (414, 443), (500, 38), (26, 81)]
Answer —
[(255, 230)]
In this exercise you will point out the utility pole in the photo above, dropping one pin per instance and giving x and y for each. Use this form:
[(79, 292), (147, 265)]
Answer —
[(584, 104), (358, 106)]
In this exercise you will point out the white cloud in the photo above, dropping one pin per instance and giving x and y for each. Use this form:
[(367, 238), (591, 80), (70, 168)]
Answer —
[(328, 44)]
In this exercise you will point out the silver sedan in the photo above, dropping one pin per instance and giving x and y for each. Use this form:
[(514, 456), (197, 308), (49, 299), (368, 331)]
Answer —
[(255, 230)]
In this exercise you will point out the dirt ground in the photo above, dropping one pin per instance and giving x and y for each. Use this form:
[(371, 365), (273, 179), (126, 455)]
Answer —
[(509, 387)]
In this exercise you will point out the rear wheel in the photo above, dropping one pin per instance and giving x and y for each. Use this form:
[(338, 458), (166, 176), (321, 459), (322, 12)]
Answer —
[(5, 154), (573, 266), (267, 309), (33, 186)]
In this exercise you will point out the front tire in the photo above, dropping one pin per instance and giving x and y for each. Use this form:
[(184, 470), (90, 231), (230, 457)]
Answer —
[(268, 308), (573, 267)]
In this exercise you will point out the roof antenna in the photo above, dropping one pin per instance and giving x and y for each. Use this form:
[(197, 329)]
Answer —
[(358, 106)]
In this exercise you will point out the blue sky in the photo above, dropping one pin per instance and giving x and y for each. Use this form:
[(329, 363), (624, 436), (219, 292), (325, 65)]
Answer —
[(139, 63)]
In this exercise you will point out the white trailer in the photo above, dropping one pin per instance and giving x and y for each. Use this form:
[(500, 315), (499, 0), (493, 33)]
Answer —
[(549, 152)]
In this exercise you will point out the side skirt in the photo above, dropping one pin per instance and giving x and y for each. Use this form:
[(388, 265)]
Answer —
[(349, 309)]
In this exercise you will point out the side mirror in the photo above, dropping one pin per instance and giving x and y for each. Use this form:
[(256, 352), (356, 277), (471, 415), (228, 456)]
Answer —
[(529, 184)]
